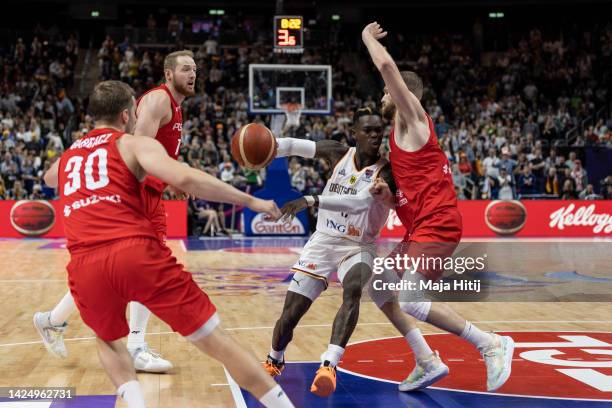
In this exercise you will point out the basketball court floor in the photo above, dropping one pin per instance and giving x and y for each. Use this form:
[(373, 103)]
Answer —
[(563, 356)]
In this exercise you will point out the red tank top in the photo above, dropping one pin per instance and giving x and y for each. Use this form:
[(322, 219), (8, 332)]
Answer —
[(424, 181), (169, 135), (99, 195)]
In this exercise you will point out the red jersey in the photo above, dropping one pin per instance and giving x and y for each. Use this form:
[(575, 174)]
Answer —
[(168, 135), (424, 184), (100, 196)]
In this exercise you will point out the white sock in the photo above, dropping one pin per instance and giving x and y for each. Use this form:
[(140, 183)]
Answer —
[(476, 336), (62, 311), (333, 354), (276, 398), (139, 317), (131, 394), (277, 355), (417, 343)]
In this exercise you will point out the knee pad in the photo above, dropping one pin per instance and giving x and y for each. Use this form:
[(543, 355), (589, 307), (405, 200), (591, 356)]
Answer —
[(418, 310)]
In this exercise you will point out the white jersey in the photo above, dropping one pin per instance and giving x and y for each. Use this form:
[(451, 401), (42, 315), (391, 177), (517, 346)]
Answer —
[(363, 227)]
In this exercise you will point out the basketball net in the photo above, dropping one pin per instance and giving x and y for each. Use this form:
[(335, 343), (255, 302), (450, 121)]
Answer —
[(292, 113), (290, 118)]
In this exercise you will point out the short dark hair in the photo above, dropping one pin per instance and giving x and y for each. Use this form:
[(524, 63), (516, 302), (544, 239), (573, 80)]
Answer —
[(365, 111), (413, 82), (170, 60), (108, 99)]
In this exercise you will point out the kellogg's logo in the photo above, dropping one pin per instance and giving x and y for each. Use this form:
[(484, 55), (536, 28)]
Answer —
[(584, 216)]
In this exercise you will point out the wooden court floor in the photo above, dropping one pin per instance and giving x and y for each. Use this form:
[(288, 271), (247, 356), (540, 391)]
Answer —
[(249, 299)]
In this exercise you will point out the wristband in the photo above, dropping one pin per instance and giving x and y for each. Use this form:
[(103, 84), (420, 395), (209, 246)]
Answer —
[(310, 200)]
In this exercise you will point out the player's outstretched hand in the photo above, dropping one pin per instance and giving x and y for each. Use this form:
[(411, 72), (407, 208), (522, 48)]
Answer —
[(291, 208), (179, 194), (380, 191), (268, 207), (375, 30)]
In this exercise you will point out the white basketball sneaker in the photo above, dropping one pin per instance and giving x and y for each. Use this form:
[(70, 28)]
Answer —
[(52, 336), (425, 373), (498, 359), (148, 361)]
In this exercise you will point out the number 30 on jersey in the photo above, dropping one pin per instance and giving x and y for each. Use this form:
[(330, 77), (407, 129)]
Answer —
[(93, 180)]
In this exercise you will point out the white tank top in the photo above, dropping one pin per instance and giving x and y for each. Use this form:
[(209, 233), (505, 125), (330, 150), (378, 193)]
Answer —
[(363, 227)]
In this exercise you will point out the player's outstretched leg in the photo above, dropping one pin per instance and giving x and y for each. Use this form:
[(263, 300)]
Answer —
[(145, 359), (345, 322), (241, 365), (296, 305), (52, 325), (428, 368), (117, 362), (496, 350)]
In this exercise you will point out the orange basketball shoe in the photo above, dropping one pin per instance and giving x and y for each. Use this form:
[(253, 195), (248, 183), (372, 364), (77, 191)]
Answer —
[(273, 366), (324, 383)]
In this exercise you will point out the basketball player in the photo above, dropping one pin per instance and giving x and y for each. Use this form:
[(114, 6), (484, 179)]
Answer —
[(116, 254), (427, 206), (159, 116), (342, 243)]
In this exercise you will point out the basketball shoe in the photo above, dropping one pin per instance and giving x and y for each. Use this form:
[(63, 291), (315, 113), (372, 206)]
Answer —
[(498, 359), (425, 373), (148, 361), (324, 383), (52, 336), (273, 366)]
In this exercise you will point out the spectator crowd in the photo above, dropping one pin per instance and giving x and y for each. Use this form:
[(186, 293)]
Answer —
[(514, 123)]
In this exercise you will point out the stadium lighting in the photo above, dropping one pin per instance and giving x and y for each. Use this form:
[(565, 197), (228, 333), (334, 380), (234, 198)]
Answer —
[(496, 15), (95, 13), (335, 17), (216, 12)]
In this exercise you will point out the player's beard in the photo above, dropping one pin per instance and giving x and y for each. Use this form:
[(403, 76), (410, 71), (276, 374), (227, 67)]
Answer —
[(184, 90), (388, 111)]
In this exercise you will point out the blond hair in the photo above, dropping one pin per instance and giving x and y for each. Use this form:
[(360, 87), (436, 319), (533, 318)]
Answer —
[(170, 60)]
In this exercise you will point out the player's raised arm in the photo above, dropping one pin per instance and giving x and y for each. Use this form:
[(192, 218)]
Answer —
[(408, 105), (153, 111), (329, 150), (153, 159)]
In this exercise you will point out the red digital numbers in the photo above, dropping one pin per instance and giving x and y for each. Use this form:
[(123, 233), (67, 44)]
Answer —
[(285, 39)]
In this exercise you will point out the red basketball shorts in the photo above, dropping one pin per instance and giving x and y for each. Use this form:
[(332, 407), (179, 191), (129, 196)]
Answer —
[(104, 280), (435, 239), (155, 211)]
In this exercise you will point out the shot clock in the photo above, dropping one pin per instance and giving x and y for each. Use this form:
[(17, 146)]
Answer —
[(289, 34)]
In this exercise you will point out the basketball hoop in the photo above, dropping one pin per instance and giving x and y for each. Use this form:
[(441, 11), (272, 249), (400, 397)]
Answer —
[(293, 112)]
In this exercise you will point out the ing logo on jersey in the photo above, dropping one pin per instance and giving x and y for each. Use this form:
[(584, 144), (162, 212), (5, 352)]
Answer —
[(178, 126), (353, 179)]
